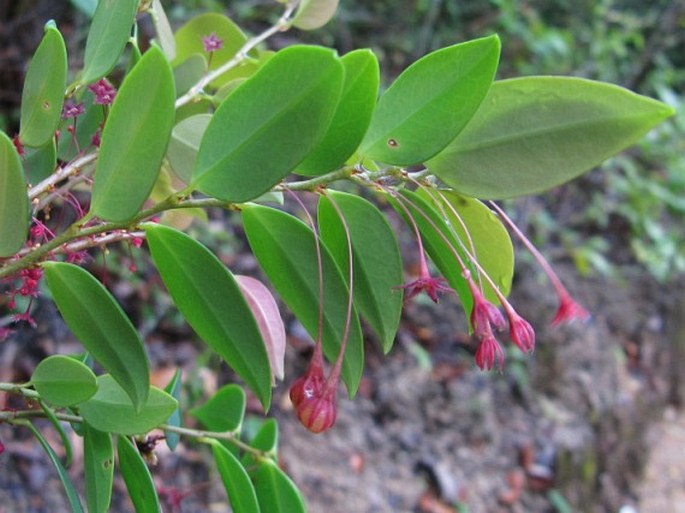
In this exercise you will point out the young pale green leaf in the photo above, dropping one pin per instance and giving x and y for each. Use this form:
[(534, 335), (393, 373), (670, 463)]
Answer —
[(224, 411), (139, 483), (189, 42), (184, 144), (431, 102), (239, 488), (286, 251), (43, 94), (14, 200), (165, 34), (39, 163), (188, 73), (111, 410), (173, 388), (376, 257), (314, 14), (100, 324), (63, 381), (72, 494), (268, 317), (107, 37), (352, 116), (98, 468), (266, 440), (276, 493), (491, 242), (209, 298), (249, 146), (534, 133), (134, 139)]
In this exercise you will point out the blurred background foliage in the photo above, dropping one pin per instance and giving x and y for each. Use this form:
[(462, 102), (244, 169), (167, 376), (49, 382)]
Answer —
[(629, 210)]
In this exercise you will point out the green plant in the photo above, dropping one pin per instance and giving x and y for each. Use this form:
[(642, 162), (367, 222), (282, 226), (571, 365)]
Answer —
[(206, 118)]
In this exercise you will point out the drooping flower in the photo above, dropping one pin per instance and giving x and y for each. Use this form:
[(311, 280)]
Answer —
[(212, 43), (318, 412), (521, 332), (71, 109), (569, 310), (489, 353), (104, 92), (96, 139), (425, 283), (484, 314)]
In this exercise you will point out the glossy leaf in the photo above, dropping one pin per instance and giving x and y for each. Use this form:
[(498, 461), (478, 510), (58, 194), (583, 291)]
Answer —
[(286, 251), (43, 93), (98, 468), (165, 34), (314, 14), (184, 144), (14, 200), (173, 388), (431, 102), (208, 296), (72, 494), (275, 491), (109, 32), (534, 133), (134, 139), (268, 317), (352, 115), (249, 146), (111, 410), (239, 488), (189, 41), (100, 324), (39, 163), (137, 477), (63, 381), (224, 411), (266, 440), (377, 260), (189, 72)]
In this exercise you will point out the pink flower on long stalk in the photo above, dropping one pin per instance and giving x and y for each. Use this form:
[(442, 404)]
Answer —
[(212, 43), (521, 332), (569, 310), (489, 353), (104, 92), (425, 283), (484, 314)]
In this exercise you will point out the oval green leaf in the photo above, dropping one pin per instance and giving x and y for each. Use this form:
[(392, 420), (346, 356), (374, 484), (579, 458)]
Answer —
[(314, 14), (173, 388), (139, 483), (377, 260), (100, 324), (134, 139), (239, 488), (276, 493), (184, 144), (63, 381), (286, 251), (224, 411), (431, 102), (107, 37), (43, 94), (250, 145), (208, 296), (165, 34), (111, 410), (39, 163), (534, 133), (352, 116), (14, 200), (266, 440), (98, 468)]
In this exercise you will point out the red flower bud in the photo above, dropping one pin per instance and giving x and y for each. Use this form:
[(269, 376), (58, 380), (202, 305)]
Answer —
[(489, 353), (318, 413)]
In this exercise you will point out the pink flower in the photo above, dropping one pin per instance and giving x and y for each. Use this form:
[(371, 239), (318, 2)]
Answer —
[(521, 332), (95, 140), (431, 286), (318, 413), (19, 147), (569, 311), (212, 43), (71, 109), (484, 314), (104, 92), (489, 353)]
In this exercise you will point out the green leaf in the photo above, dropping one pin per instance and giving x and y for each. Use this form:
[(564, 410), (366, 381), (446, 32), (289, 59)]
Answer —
[(286, 251), (184, 144), (100, 324), (134, 139), (173, 388), (431, 102), (72, 494), (352, 116), (139, 482), (111, 410), (266, 440), (98, 468), (39, 163), (189, 41), (239, 488), (107, 37), (188, 73), (43, 94), (275, 491), (377, 260), (165, 34), (14, 200), (224, 411), (534, 133), (63, 381), (66, 442), (314, 14), (250, 145), (208, 296)]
